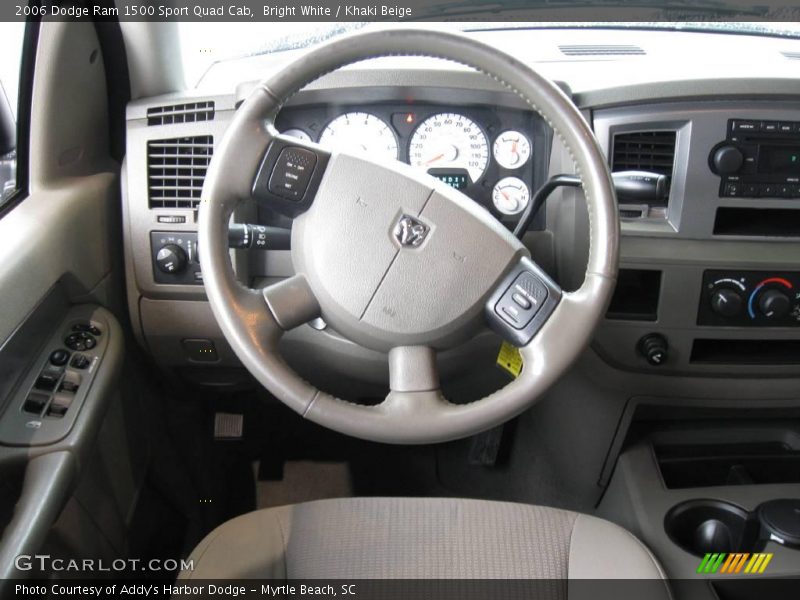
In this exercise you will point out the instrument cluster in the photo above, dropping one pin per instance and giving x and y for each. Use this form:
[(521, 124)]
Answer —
[(496, 156)]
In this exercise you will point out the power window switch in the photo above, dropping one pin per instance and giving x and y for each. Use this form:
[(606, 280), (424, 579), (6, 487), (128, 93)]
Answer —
[(60, 404), (70, 383), (35, 403), (47, 381)]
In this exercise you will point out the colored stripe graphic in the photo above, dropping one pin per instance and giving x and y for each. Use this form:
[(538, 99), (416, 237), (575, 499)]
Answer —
[(734, 563), (741, 562), (728, 563), (767, 558)]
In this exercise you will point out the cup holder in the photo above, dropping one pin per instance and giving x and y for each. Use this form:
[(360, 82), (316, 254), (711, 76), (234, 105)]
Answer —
[(708, 526)]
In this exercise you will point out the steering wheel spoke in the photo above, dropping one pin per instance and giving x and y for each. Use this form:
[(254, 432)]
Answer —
[(522, 302), (413, 369), (290, 173), (291, 302), (414, 382)]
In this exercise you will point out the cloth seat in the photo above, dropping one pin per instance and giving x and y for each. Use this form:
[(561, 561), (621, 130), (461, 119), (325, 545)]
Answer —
[(423, 538)]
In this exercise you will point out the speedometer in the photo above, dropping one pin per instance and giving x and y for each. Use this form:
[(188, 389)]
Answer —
[(450, 141), (362, 133)]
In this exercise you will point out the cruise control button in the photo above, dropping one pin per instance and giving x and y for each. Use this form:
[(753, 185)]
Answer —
[(292, 173)]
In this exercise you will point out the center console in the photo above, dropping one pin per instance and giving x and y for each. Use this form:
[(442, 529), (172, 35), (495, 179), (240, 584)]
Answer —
[(711, 286), (714, 503)]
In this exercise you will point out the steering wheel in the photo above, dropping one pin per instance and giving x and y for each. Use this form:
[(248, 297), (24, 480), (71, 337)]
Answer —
[(395, 260)]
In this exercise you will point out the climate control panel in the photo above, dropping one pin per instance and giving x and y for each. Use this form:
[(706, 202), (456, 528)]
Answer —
[(750, 299)]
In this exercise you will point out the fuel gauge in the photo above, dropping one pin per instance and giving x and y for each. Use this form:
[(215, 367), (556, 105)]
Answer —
[(510, 195)]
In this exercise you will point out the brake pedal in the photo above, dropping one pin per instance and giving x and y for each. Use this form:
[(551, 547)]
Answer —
[(228, 426)]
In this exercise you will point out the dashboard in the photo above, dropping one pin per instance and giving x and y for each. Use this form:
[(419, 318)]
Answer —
[(496, 156), (708, 283)]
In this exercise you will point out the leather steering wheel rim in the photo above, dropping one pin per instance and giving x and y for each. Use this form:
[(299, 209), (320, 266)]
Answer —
[(414, 411)]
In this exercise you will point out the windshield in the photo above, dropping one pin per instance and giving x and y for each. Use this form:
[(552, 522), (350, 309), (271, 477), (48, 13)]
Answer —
[(204, 44)]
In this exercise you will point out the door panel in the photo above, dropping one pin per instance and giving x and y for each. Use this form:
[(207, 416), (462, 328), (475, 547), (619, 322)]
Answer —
[(60, 264)]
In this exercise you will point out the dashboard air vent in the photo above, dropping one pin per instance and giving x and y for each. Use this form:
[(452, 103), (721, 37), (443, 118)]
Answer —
[(652, 151), (176, 169), (190, 112), (602, 50), (792, 55)]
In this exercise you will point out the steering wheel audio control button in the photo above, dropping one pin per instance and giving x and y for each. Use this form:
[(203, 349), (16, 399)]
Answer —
[(292, 173), (521, 300)]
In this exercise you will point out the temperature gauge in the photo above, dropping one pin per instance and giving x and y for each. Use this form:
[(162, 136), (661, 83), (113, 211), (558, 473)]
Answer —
[(511, 149), (510, 195)]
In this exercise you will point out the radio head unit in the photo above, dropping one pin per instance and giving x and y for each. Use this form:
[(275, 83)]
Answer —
[(758, 159)]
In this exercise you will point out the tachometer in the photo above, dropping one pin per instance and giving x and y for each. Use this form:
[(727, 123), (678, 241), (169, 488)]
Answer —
[(449, 140), (362, 133)]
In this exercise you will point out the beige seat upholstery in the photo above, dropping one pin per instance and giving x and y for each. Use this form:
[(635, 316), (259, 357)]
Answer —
[(420, 538)]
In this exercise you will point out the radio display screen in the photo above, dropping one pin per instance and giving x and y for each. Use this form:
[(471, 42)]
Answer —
[(779, 160)]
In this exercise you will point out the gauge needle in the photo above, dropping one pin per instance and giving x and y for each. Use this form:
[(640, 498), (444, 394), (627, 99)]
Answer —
[(434, 159)]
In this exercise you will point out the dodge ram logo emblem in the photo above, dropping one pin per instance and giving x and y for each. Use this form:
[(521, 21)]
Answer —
[(410, 232)]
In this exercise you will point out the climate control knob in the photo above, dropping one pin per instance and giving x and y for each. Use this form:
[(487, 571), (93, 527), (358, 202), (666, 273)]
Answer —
[(727, 302), (171, 259), (774, 304), (727, 160)]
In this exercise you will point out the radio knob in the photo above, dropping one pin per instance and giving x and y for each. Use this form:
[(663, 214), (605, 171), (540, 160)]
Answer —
[(171, 259), (726, 302), (727, 160), (774, 304)]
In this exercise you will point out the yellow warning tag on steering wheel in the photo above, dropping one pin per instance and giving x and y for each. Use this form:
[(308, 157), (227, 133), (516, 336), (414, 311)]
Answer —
[(509, 359)]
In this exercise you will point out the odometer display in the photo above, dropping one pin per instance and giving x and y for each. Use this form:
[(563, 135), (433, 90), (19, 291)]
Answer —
[(450, 141), (458, 179)]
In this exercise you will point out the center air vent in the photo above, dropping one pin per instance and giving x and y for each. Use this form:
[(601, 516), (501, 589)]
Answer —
[(176, 169), (190, 112), (601, 50), (652, 151)]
